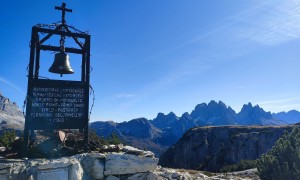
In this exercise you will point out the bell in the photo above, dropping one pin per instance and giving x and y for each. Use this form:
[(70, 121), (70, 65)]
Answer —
[(61, 64)]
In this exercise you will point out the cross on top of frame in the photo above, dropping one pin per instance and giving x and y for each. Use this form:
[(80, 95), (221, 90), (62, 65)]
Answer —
[(64, 10)]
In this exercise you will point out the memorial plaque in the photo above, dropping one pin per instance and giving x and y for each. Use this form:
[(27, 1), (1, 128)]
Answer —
[(53, 174), (58, 104)]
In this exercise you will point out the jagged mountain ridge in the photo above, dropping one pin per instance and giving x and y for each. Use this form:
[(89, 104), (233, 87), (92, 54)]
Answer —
[(214, 113), (165, 130), (10, 115), (254, 115), (290, 117)]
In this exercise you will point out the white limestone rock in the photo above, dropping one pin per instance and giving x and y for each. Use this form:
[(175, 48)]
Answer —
[(118, 163), (112, 178), (130, 149), (111, 146), (76, 171), (60, 173), (87, 161), (138, 152), (98, 169), (5, 165), (145, 176), (92, 155), (2, 149), (57, 163), (3, 176)]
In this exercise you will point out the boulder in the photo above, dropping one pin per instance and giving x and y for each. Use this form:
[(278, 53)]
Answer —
[(118, 163), (137, 152)]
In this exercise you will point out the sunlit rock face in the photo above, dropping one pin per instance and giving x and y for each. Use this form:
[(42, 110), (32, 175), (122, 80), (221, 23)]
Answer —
[(10, 115), (211, 148)]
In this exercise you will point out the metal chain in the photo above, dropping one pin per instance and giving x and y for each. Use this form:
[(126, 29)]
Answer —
[(25, 101), (24, 106), (91, 69), (92, 92)]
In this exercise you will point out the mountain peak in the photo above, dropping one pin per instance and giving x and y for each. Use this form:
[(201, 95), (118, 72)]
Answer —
[(162, 120), (160, 114), (250, 115), (221, 103), (186, 114), (171, 114), (212, 102), (214, 114), (201, 105)]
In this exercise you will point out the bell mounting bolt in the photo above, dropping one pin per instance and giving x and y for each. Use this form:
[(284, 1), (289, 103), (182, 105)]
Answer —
[(63, 10)]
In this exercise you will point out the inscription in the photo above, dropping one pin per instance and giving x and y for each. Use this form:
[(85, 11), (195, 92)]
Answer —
[(58, 104), (53, 174)]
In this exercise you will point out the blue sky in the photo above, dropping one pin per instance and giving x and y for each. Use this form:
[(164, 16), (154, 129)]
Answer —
[(155, 56)]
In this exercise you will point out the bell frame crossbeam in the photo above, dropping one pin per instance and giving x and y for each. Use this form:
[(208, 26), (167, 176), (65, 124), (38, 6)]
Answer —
[(36, 46)]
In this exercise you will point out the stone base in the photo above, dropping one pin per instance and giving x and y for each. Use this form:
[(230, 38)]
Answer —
[(81, 166)]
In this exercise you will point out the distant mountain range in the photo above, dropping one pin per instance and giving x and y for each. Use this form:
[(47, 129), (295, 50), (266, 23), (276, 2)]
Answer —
[(165, 130), (290, 117)]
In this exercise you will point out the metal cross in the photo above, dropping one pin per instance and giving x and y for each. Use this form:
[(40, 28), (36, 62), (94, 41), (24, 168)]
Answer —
[(64, 10)]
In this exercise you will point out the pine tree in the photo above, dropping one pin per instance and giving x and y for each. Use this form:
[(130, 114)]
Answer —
[(283, 160)]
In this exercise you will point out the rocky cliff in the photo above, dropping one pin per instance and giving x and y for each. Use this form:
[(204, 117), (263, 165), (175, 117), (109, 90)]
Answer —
[(10, 115), (211, 148)]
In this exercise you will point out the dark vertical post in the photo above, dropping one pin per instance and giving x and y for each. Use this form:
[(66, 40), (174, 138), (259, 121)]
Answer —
[(87, 87), (37, 59), (83, 65), (29, 89), (36, 75)]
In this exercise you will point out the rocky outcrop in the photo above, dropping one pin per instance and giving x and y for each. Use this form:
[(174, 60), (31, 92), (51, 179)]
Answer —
[(211, 148), (118, 164), (10, 115)]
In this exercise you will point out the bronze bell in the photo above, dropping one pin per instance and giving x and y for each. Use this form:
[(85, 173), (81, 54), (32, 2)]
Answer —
[(61, 64)]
